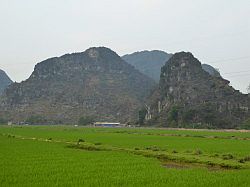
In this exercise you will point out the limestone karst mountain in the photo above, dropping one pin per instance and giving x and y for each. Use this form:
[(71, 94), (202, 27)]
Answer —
[(95, 83), (189, 95), (150, 63)]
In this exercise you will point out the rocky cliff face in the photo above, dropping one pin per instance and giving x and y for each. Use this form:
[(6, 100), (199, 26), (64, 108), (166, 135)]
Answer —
[(150, 63), (189, 95), (5, 81), (94, 83)]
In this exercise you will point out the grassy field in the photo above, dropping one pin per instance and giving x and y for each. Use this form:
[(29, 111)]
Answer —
[(78, 156)]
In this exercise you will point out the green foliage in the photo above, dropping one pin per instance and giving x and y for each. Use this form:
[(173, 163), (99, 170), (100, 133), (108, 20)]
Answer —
[(198, 152), (227, 156), (3, 121), (36, 120), (154, 148), (247, 158), (246, 124), (189, 115), (86, 120), (238, 112), (142, 115), (173, 116), (208, 113), (81, 140), (174, 151)]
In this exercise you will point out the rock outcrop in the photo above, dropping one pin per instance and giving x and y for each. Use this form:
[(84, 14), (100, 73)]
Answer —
[(189, 95), (95, 83)]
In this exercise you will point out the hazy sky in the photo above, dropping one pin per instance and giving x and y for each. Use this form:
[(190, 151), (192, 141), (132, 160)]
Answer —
[(217, 32)]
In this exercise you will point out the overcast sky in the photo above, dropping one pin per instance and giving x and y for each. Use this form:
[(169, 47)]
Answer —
[(217, 32)]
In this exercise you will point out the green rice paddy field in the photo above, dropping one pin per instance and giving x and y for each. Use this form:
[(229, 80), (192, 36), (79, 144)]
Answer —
[(84, 156)]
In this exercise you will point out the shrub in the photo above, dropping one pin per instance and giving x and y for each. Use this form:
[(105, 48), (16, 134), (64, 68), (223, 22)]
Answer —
[(86, 120), (174, 151), (154, 148), (246, 124), (78, 142), (247, 158), (188, 151), (11, 136), (36, 120), (216, 155), (173, 114), (141, 116), (242, 160), (3, 121), (198, 152), (227, 156), (189, 115)]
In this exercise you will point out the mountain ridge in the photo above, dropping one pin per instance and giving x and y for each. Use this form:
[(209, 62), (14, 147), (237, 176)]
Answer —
[(96, 82), (150, 63)]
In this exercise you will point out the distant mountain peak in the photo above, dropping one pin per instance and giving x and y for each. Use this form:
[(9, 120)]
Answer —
[(101, 52), (145, 52), (5, 81), (150, 62), (93, 53)]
